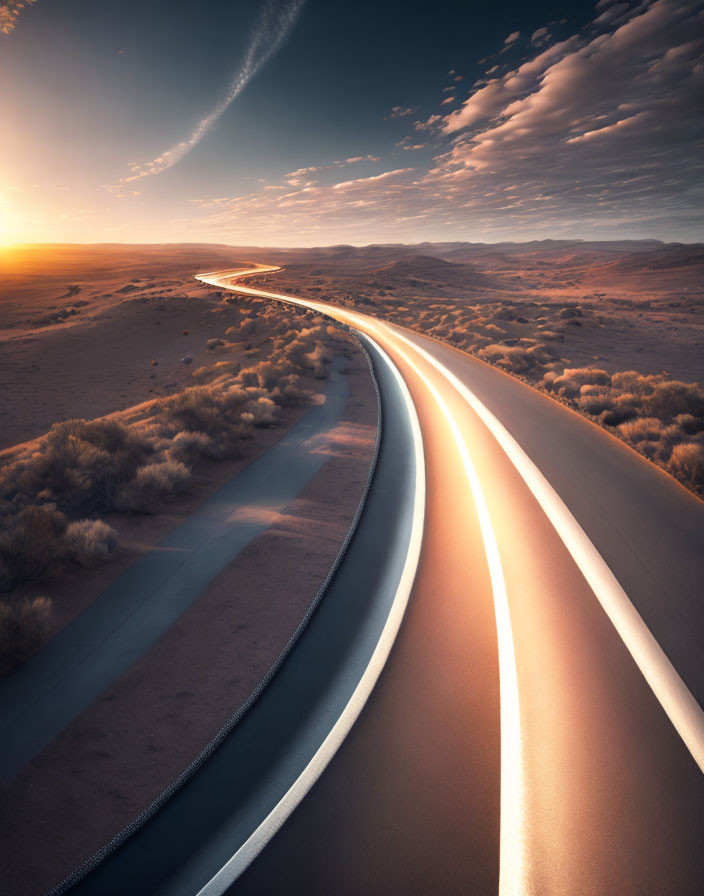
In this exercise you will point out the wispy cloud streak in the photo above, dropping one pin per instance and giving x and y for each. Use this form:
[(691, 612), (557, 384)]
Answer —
[(275, 21)]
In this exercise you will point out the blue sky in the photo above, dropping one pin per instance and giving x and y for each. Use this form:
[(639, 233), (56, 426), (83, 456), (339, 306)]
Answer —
[(364, 122)]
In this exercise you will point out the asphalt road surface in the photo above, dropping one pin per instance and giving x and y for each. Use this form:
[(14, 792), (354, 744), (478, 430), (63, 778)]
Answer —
[(537, 729)]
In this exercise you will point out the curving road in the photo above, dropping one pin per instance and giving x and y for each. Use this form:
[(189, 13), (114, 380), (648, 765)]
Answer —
[(564, 755)]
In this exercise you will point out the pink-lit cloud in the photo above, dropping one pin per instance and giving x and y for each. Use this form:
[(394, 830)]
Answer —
[(9, 11)]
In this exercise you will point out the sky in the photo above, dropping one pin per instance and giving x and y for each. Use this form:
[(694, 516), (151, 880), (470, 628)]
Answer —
[(308, 122)]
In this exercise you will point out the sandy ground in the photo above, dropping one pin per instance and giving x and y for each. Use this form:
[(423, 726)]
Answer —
[(121, 753), (103, 361), (38, 281)]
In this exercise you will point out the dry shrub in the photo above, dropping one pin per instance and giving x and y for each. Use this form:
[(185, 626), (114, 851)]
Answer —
[(31, 540), (213, 421), (689, 424), (89, 541), (214, 343), (24, 626), (623, 407), (515, 358), (595, 403), (81, 465), (644, 429), (570, 382), (632, 381), (671, 398), (153, 484), (189, 447), (687, 463)]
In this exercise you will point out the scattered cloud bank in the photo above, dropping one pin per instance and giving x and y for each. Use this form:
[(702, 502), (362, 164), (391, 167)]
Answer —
[(273, 26), (600, 132), (9, 10)]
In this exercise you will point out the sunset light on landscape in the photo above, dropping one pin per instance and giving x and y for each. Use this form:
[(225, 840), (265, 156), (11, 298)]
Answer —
[(352, 457)]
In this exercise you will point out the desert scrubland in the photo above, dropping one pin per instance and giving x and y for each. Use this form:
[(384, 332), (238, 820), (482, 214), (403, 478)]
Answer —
[(614, 330), (111, 412)]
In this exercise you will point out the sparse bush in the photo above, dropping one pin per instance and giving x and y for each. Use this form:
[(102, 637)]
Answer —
[(689, 424), (81, 465), (189, 447), (570, 382), (23, 627), (643, 429), (152, 484), (30, 541), (671, 398), (89, 541), (623, 408), (687, 463), (595, 403), (515, 358)]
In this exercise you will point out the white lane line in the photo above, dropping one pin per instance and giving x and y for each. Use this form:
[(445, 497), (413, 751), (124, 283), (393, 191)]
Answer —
[(673, 694), (249, 850), (512, 852)]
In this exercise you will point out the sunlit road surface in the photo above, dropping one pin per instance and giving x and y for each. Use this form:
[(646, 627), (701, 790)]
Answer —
[(529, 734)]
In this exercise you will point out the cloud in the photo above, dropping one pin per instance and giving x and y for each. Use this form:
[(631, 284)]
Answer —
[(623, 125), (315, 169), (490, 100), (121, 191), (9, 11), (598, 135), (431, 124), (539, 36), (364, 182), (400, 112), (512, 38), (619, 117), (606, 18), (276, 18)]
